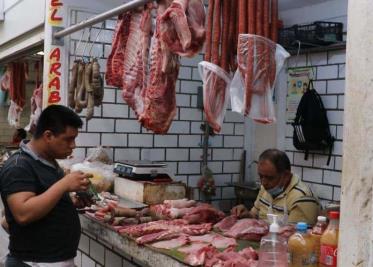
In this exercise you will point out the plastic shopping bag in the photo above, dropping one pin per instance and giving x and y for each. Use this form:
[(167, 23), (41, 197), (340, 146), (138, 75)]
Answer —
[(259, 62), (216, 83)]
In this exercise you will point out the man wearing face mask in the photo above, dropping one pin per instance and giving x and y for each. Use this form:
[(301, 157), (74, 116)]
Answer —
[(281, 193)]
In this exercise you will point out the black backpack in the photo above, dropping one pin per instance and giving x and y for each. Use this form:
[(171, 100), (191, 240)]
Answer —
[(311, 125)]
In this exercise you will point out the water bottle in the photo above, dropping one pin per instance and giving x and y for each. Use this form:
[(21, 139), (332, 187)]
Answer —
[(273, 247)]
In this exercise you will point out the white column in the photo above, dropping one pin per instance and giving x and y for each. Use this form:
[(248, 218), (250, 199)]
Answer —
[(356, 236)]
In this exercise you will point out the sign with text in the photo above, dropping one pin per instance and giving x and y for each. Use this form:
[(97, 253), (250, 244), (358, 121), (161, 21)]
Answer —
[(54, 61), (298, 79)]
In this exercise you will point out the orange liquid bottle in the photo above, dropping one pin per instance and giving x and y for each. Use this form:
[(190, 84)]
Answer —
[(329, 242), (317, 232)]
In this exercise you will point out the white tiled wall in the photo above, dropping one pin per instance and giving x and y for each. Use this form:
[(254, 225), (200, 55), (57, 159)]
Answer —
[(324, 179), (115, 125)]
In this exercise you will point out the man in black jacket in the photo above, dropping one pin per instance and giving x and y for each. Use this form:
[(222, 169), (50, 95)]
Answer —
[(44, 226)]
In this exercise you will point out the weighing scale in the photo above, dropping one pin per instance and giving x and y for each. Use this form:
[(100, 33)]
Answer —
[(143, 171)]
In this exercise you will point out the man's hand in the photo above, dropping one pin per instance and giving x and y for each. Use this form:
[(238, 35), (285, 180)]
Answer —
[(81, 202), (241, 211), (76, 181)]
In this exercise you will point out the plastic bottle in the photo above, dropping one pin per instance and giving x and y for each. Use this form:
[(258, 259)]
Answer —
[(273, 247), (301, 248), (329, 242), (316, 233)]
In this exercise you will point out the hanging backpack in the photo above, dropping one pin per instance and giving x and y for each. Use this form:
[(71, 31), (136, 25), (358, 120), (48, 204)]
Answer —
[(311, 125)]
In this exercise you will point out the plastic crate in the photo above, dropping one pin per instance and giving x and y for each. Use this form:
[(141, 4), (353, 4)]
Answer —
[(315, 34)]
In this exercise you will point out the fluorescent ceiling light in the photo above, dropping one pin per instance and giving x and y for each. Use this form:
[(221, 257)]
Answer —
[(40, 53)]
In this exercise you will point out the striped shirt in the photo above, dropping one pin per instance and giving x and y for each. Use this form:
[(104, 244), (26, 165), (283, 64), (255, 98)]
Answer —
[(297, 202)]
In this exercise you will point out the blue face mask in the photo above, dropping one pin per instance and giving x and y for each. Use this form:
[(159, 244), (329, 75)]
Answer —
[(275, 191)]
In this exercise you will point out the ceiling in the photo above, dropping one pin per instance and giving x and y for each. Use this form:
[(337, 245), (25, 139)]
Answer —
[(290, 4)]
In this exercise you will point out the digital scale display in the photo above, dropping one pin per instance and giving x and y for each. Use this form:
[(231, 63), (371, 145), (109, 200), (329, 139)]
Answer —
[(141, 170)]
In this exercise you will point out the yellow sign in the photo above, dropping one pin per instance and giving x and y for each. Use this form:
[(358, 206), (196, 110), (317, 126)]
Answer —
[(54, 17)]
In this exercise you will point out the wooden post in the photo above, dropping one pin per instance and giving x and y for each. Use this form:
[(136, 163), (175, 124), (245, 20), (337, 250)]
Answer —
[(356, 230)]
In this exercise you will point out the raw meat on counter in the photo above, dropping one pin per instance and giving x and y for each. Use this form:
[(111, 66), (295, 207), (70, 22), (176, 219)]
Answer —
[(203, 214), (248, 229), (208, 255), (199, 213), (174, 231), (180, 203), (172, 243), (226, 223), (198, 255), (229, 258), (182, 27), (216, 240), (151, 227)]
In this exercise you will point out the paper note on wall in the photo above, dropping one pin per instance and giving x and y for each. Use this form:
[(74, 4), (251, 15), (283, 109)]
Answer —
[(298, 79)]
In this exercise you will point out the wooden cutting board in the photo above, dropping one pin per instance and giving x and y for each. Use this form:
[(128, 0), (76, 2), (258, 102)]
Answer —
[(148, 192)]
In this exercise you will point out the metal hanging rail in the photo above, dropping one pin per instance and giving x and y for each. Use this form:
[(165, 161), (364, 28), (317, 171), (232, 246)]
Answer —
[(99, 18)]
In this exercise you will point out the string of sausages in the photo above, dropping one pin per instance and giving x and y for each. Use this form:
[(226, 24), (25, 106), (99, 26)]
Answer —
[(227, 19)]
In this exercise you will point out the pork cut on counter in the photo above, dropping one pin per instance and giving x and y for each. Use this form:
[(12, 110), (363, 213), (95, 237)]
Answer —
[(172, 243), (174, 231), (226, 223), (180, 203), (248, 229), (182, 27), (229, 258), (151, 227), (200, 213)]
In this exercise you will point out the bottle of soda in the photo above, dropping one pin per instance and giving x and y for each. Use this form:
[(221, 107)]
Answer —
[(317, 232), (329, 242)]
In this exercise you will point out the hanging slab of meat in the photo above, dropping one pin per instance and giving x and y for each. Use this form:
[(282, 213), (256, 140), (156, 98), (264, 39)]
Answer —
[(226, 223), (182, 27), (18, 83), (36, 107), (160, 92), (5, 80), (216, 83), (248, 229), (115, 62), (173, 243), (136, 59)]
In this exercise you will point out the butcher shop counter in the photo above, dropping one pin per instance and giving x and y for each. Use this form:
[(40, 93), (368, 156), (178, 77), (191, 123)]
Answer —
[(102, 246)]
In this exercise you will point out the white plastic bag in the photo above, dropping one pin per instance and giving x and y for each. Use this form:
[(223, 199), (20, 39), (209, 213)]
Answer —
[(103, 175), (216, 83), (99, 154), (36, 107), (259, 62), (14, 115)]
